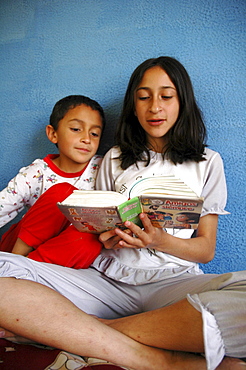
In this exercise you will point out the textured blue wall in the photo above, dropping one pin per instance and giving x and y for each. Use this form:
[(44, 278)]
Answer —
[(53, 48)]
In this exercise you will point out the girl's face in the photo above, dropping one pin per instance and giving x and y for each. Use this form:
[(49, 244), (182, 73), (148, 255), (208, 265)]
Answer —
[(156, 106)]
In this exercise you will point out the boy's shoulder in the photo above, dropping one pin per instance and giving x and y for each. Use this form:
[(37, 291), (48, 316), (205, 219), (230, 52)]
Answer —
[(96, 158), (38, 162), (94, 165), (95, 162)]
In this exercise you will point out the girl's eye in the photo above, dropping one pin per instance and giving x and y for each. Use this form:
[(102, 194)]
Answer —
[(143, 97), (166, 97), (95, 134)]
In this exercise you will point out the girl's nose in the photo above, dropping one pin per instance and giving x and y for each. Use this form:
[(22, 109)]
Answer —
[(155, 106)]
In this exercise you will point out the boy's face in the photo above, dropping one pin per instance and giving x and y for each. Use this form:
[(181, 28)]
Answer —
[(77, 137)]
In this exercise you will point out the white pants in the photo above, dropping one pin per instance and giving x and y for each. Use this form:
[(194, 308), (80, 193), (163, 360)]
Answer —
[(220, 298)]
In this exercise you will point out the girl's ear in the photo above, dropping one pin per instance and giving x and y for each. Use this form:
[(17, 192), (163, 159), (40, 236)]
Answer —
[(51, 134)]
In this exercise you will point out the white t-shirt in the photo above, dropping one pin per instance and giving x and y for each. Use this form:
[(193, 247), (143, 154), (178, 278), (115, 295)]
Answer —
[(138, 266), (32, 181)]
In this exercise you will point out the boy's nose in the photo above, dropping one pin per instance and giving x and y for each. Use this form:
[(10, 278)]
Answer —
[(85, 137)]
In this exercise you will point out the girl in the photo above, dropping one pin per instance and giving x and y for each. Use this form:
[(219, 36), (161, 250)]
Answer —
[(161, 132), (149, 285)]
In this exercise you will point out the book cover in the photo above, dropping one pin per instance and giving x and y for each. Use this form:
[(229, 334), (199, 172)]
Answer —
[(101, 217), (168, 202), (171, 211)]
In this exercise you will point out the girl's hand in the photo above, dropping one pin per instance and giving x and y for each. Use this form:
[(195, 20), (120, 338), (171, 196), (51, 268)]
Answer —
[(148, 237), (111, 240), (200, 249)]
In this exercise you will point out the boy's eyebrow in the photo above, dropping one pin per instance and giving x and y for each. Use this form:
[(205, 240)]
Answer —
[(161, 87), (81, 121)]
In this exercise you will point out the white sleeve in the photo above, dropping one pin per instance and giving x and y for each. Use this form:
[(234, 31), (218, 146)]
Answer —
[(215, 190), (21, 191)]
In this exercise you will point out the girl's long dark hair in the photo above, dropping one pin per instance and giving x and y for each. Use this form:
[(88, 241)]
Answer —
[(185, 140)]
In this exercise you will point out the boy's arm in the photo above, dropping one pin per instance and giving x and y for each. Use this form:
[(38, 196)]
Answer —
[(11, 202), (21, 191), (22, 248)]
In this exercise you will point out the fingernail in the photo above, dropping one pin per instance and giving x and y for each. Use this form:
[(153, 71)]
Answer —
[(2, 333)]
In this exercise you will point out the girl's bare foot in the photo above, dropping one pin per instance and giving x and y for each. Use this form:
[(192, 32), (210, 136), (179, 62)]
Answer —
[(230, 363), (8, 335)]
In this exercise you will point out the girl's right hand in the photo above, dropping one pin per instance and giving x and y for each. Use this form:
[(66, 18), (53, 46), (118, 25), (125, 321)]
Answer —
[(111, 240)]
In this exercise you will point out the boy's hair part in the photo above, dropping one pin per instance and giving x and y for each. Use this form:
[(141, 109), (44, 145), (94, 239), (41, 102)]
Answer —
[(71, 101), (185, 139)]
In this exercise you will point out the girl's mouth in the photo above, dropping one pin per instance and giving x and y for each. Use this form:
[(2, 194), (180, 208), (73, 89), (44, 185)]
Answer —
[(155, 122)]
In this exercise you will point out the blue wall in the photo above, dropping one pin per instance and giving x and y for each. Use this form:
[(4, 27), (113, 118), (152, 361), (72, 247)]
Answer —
[(53, 48)]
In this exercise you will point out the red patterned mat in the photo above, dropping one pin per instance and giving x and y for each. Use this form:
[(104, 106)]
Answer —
[(25, 357)]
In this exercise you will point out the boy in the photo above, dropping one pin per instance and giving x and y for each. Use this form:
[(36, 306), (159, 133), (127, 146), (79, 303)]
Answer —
[(76, 126)]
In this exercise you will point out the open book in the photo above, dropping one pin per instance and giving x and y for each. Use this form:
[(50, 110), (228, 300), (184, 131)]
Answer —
[(168, 202)]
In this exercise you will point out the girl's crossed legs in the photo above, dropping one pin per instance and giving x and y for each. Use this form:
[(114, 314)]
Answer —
[(28, 309)]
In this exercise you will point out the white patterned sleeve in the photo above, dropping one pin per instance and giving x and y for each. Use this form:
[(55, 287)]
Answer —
[(21, 191)]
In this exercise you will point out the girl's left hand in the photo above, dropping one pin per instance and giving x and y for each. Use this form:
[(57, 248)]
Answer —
[(148, 237), (199, 249)]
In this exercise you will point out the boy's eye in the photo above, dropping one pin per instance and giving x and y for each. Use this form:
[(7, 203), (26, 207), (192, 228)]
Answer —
[(95, 134), (75, 129)]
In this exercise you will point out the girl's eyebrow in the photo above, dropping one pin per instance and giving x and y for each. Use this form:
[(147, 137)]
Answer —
[(161, 87)]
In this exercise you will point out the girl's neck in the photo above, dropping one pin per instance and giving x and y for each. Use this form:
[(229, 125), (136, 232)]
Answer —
[(157, 146)]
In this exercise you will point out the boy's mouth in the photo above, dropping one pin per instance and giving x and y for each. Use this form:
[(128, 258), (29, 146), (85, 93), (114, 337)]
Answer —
[(85, 150)]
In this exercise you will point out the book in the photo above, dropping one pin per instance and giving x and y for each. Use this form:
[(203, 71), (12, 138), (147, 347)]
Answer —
[(168, 202)]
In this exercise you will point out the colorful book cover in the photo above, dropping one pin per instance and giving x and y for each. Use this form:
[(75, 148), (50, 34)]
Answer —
[(168, 202)]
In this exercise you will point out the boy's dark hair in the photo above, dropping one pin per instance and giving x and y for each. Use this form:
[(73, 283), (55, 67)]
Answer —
[(65, 104), (185, 139)]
